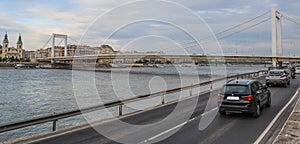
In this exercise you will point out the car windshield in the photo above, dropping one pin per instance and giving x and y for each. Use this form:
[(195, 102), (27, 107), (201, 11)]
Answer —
[(235, 89), (276, 73)]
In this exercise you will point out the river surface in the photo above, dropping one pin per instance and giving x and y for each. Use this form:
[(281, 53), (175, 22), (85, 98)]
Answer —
[(27, 94)]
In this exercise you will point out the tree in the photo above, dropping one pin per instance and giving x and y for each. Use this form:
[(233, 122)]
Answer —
[(4, 59), (23, 60), (17, 59), (168, 62)]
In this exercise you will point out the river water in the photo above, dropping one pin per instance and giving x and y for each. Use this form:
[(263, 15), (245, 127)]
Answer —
[(26, 94)]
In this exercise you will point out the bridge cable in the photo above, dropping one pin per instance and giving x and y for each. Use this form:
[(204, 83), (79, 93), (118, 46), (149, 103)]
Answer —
[(226, 30), (47, 42), (244, 29), (220, 38), (291, 19), (60, 42), (77, 41), (242, 23)]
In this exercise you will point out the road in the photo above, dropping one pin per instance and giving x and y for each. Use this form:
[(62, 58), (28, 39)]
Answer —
[(231, 129)]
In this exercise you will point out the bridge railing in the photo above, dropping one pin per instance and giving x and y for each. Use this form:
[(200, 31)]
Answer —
[(120, 104)]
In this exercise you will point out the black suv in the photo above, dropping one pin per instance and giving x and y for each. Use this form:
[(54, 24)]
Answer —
[(243, 96)]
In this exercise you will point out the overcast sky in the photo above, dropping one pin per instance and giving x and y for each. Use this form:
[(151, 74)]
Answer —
[(148, 25)]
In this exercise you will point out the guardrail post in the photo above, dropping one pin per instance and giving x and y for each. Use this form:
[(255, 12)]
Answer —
[(163, 99), (211, 86), (54, 125), (120, 109), (191, 91)]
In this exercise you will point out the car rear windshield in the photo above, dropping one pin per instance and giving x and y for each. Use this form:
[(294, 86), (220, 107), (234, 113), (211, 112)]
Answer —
[(275, 73), (235, 89)]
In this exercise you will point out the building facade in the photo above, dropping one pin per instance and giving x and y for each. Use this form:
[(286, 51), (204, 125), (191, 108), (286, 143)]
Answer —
[(12, 52), (76, 50)]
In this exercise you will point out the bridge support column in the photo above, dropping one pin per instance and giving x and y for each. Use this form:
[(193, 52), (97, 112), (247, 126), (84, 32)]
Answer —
[(66, 47), (276, 35), (53, 47), (65, 37)]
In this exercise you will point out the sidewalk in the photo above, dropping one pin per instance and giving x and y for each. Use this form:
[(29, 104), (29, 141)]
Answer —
[(290, 134)]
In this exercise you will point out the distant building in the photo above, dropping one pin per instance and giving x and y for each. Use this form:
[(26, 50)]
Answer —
[(59, 51), (75, 50), (12, 52), (31, 55), (106, 49)]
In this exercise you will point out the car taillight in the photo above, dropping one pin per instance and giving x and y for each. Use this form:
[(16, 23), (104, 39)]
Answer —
[(220, 97), (267, 76), (248, 98), (282, 76)]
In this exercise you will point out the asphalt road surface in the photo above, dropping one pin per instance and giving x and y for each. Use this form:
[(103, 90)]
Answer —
[(157, 126)]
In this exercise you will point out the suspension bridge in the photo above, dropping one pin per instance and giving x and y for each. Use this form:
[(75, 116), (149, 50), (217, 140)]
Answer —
[(275, 45)]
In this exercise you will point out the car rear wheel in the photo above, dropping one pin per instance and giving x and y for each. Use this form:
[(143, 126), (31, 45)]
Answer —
[(257, 110), (222, 112), (285, 85)]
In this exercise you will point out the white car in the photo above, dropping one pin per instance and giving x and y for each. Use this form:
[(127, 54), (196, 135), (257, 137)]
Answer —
[(297, 70), (278, 77)]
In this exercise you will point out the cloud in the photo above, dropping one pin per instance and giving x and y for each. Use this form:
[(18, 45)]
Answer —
[(37, 20)]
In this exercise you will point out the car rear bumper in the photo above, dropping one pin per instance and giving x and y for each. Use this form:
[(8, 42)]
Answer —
[(236, 107), (276, 81)]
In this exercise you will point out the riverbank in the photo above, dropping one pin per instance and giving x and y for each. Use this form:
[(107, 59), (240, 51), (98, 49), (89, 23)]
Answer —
[(7, 65)]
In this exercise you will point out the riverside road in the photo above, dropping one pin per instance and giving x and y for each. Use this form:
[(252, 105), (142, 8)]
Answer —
[(230, 129)]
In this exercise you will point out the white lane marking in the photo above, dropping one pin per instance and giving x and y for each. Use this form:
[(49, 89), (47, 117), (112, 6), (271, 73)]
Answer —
[(216, 108), (178, 126), (275, 119), (167, 131)]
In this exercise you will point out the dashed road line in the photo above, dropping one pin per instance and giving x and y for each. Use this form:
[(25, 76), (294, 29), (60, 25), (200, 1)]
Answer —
[(176, 127)]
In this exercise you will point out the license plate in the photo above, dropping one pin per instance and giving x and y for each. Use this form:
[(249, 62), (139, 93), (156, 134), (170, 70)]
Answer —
[(233, 98)]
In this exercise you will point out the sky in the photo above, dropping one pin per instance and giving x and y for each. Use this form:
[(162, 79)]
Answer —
[(150, 25)]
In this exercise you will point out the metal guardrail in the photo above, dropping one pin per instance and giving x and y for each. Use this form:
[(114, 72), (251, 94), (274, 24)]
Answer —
[(120, 103)]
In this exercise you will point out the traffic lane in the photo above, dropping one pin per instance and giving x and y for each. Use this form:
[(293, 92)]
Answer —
[(236, 128), (152, 116), (145, 135), (89, 135)]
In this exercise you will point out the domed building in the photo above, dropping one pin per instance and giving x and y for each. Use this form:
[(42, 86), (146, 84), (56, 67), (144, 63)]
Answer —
[(12, 52)]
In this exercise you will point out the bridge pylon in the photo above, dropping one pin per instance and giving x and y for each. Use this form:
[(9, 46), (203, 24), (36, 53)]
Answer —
[(65, 37), (276, 35)]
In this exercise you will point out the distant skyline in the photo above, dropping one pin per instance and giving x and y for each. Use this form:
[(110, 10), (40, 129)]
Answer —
[(36, 20)]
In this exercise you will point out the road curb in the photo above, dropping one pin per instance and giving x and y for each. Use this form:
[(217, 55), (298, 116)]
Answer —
[(290, 132), (278, 122)]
